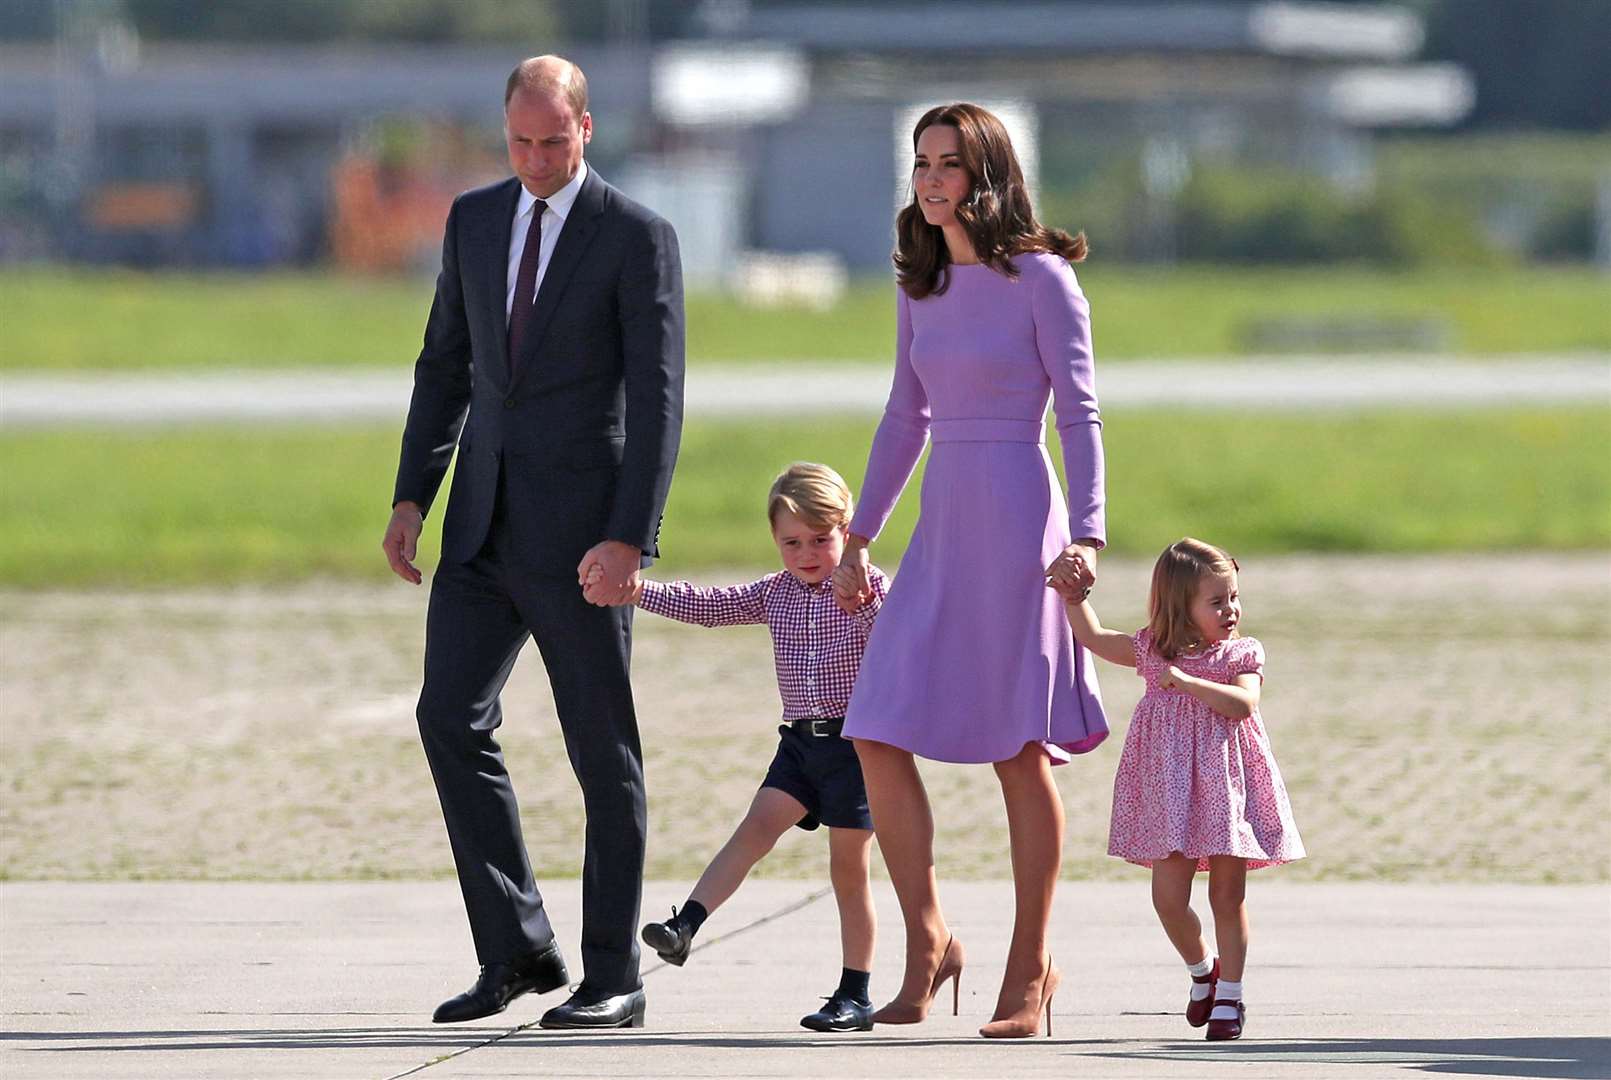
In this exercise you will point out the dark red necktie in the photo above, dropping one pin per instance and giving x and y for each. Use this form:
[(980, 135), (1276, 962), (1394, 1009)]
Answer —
[(525, 287)]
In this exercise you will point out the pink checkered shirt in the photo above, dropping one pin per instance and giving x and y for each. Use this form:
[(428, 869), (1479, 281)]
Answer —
[(816, 646)]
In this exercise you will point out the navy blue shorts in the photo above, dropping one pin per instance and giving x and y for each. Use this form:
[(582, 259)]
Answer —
[(823, 773)]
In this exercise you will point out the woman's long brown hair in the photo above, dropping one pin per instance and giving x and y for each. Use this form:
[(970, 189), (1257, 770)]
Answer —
[(996, 215)]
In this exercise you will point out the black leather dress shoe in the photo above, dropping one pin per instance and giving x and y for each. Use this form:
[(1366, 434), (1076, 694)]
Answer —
[(670, 939), (590, 1009), (841, 1013), (500, 984)]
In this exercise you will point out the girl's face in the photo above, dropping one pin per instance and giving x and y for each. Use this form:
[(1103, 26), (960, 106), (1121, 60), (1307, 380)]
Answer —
[(1216, 607), (939, 182), (809, 553)]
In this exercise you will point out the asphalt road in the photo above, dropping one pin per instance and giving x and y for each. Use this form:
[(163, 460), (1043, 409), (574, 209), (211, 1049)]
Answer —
[(315, 980), (778, 388)]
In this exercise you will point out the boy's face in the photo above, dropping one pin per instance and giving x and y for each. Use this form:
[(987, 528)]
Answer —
[(809, 553)]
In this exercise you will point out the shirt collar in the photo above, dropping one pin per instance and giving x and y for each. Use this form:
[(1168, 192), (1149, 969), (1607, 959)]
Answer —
[(560, 202), (806, 587)]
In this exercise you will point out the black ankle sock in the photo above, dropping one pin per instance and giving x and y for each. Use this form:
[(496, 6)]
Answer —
[(693, 916), (853, 984)]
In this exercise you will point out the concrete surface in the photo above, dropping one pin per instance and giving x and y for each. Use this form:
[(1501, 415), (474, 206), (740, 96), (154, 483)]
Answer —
[(338, 980)]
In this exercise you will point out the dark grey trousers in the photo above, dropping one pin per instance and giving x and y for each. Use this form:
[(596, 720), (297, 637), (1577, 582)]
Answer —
[(481, 613)]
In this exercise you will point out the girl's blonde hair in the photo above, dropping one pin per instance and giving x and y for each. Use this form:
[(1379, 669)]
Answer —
[(1174, 583), (813, 493)]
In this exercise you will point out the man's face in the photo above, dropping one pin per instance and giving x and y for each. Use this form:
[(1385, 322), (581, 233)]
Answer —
[(545, 140)]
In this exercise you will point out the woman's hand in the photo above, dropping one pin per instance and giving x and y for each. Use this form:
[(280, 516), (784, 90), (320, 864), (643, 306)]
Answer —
[(1073, 573), (852, 584)]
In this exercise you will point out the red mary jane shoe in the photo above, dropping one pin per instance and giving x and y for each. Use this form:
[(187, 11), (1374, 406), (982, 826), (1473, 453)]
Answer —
[(1226, 1030), (1197, 1009)]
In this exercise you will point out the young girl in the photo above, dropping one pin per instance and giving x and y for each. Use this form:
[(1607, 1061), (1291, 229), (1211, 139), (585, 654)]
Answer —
[(815, 777), (1197, 786)]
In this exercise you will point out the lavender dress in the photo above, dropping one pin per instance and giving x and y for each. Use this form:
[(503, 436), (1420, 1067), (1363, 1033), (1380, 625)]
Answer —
[(972, 657)]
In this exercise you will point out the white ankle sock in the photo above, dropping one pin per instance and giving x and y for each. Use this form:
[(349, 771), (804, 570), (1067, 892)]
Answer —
[(1201, 990), (1226, 991)]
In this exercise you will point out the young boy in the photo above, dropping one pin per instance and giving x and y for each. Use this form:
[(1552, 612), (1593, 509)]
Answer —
[(815, 777)]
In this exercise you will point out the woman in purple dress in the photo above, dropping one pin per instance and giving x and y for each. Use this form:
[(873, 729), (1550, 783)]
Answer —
[(973, 660)]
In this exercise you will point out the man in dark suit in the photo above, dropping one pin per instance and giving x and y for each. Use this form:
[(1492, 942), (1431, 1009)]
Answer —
[(553, 357)]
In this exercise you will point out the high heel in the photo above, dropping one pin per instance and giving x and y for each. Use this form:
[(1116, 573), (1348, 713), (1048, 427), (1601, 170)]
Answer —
[(915, 1012), (1025, 1022)]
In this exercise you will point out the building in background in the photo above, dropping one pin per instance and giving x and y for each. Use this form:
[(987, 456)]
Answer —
[(784, 130)]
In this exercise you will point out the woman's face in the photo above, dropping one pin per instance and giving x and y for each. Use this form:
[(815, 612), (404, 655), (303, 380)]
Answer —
[(939, 182)]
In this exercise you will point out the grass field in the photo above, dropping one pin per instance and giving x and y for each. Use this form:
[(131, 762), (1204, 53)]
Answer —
[(177, 321), (209, 505)]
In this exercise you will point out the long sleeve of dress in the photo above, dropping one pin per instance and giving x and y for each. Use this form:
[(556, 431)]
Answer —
[(1063, 337), (728, 605), (901, 435)]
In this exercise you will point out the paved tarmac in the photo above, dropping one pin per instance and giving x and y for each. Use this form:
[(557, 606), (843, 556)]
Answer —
[(238, 980), (776, 388)]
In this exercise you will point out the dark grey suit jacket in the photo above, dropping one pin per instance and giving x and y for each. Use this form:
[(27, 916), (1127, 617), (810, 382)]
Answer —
[(587, 431)]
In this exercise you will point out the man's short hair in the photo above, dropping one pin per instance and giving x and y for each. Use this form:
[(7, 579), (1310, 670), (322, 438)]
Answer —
[(549, 75)]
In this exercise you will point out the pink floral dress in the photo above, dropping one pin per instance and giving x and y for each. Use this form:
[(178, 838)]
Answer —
[(1193, 781)]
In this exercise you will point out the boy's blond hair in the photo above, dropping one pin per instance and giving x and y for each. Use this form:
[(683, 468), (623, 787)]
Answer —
[(1174, 584), (813, 493)]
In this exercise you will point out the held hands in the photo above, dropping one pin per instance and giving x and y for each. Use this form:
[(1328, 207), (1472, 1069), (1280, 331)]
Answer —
[(1073, 573), (617, 581), (595, 576), (402, 538), (852, 585)]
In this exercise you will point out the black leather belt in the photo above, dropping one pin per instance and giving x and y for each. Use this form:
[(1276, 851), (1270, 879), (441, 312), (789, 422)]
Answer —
[(822, 727)]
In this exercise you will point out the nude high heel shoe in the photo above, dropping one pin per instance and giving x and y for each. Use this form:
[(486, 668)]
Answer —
[(1025, 1023), (915, 1012)]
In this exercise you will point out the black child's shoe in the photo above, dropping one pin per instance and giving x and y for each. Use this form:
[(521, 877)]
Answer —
[(841, 1013), (670, 939)]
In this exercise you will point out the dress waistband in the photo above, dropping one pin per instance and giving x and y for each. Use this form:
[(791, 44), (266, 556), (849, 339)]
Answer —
[(985, 429)]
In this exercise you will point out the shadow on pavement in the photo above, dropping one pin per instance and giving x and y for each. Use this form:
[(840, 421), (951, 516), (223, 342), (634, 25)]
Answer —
[(256, 1039), (445, 1040), (1570, 1058), (1562, 1058)]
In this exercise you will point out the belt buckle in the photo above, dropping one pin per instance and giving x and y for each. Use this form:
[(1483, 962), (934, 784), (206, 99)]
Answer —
[(817, 730)]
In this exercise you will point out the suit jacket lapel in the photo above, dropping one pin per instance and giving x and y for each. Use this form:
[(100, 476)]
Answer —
[(573, 240), (496, 283)]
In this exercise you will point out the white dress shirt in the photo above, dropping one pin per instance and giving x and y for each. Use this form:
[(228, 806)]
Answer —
[(559, 208)]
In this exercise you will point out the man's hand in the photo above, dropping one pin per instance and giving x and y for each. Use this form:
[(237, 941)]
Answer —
[(402, 540), (852, 584), (595, 574), (619, 582)]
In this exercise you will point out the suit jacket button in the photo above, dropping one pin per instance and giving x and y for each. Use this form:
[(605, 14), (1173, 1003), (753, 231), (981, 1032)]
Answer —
[(508, 403)]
